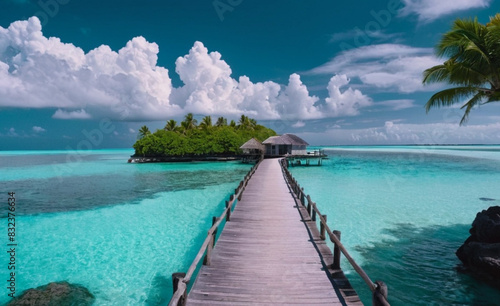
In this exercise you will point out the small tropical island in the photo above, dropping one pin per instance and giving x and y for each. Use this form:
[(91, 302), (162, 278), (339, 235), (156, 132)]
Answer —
[(190, 141)]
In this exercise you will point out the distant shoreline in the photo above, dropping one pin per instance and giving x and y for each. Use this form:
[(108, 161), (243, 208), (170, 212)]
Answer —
[(170, 159)]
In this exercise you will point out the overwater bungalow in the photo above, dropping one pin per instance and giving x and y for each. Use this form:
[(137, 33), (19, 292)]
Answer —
[(286, 144), (293, 148)]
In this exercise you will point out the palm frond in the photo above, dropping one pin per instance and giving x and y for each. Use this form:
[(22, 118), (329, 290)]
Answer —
[(465, 42), (493, 39), (467, 75), (439, 73), (449, 97), (470, 104), (494, 97)]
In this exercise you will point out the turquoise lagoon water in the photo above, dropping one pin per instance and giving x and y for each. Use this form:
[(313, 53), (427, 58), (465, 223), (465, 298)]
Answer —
[(118, 229), (404, 211), (121, 229)]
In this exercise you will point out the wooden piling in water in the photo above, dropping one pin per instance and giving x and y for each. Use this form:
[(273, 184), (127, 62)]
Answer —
[(322, 230), (336, 252)]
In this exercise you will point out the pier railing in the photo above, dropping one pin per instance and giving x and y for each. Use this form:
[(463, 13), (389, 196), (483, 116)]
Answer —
[(181, 280), (378, 288)]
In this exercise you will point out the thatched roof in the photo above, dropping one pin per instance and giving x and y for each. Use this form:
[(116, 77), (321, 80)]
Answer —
[(253, 144), (286, 139)]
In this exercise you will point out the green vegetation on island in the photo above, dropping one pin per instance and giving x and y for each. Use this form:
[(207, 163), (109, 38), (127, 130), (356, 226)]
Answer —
[(473, 66), (191, 139)]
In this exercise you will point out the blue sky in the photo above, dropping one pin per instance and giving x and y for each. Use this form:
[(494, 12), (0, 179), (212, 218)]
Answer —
[(335, 73)]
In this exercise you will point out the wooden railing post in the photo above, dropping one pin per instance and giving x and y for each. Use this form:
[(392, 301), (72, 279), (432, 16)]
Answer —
[(228, 215), (380, 294), (176, 279), (322, 234), (302, 197), (208, 257), (214, 220), (313, 217), (336, 252)]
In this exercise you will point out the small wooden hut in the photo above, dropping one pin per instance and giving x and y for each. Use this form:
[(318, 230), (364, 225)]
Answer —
[(252, 150)]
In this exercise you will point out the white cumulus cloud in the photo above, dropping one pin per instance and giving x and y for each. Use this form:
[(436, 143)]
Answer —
[(210, 89), (38, 129), (347, 102), (38, 72), (299, 124), (430, 10), (65, 115), (41, 72), (294, 101)]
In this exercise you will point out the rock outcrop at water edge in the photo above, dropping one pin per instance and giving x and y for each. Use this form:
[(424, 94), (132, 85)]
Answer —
[(57, 293), (480, 253)]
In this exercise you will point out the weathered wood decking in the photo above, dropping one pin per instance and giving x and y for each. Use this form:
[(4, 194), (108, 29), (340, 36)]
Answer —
[(265, 255)]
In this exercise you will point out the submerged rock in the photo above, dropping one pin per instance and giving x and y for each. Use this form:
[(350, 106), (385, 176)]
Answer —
[(480, 253), (55, 294)]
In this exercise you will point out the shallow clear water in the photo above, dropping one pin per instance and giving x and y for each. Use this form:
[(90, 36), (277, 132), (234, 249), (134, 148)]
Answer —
[(118, 229), (121, 229), (404, 211)]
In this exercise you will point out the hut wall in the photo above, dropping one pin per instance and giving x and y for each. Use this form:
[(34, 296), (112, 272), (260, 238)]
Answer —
[(299, 150)]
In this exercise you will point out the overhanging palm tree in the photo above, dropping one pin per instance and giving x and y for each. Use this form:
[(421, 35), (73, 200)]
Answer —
[(143, 132), (473, 65), (171, 125)]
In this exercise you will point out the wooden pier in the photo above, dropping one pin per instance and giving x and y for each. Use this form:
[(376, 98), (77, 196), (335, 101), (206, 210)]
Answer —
[(270, 250)]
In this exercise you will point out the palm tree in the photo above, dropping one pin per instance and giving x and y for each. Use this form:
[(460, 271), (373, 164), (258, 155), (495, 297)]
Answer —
[(189, 122), (243, 120), (221, 121), (246, 123), (232, 124), (473, 65), (184, 127), (253, 123), (171, 125), (143, 132), (206, 122)]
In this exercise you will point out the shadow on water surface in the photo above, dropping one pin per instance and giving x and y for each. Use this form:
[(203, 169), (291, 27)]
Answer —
[(420, 268), (87, 192), (161, 288), (158, 293)]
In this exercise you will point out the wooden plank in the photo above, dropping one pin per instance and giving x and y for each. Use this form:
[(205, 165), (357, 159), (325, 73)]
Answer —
[(265, 255)]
